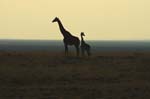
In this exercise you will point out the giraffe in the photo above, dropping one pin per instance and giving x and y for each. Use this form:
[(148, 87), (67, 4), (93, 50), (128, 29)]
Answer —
[(84, 46), (68, 39)]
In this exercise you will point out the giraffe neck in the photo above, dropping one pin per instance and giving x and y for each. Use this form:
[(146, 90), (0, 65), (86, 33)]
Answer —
[(82, 40), (62, 29)]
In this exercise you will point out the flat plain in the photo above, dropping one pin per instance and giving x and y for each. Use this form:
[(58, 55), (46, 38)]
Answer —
[(51, 75)]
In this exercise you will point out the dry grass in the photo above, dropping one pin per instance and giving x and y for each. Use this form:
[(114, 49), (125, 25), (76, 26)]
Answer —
[(46, 75)]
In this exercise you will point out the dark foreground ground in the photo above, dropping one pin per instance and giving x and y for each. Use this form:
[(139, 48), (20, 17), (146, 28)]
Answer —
[(47, 75)]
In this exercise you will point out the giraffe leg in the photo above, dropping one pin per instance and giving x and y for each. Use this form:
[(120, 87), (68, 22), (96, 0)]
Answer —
[(88, 52), (82, 51), (77, 50), (66, 49)]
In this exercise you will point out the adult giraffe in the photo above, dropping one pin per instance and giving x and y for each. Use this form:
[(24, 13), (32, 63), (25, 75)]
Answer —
[(68, 38)]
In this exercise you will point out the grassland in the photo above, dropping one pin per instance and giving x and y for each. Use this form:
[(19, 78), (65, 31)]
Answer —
[(51, 75)]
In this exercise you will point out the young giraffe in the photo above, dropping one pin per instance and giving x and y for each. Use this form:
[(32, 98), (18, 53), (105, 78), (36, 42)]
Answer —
[(68, 38), (84, 46)]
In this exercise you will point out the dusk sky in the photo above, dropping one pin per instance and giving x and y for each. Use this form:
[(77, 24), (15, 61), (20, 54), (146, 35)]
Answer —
[(99, 19)]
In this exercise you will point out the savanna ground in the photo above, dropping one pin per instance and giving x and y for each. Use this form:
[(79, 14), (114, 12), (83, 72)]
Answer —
[(47, 75)]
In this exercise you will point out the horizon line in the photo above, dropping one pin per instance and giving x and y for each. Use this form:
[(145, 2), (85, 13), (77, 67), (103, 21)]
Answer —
[(86, 39)]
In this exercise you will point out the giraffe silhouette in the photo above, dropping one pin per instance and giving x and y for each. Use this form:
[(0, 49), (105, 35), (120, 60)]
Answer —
[(69, 39), (84, 46)]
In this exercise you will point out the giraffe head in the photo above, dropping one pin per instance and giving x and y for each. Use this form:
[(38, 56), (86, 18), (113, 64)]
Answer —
[(82, 34), (55, 20)]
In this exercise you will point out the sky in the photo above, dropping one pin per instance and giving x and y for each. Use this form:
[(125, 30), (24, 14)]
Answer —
[(98, 19)]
